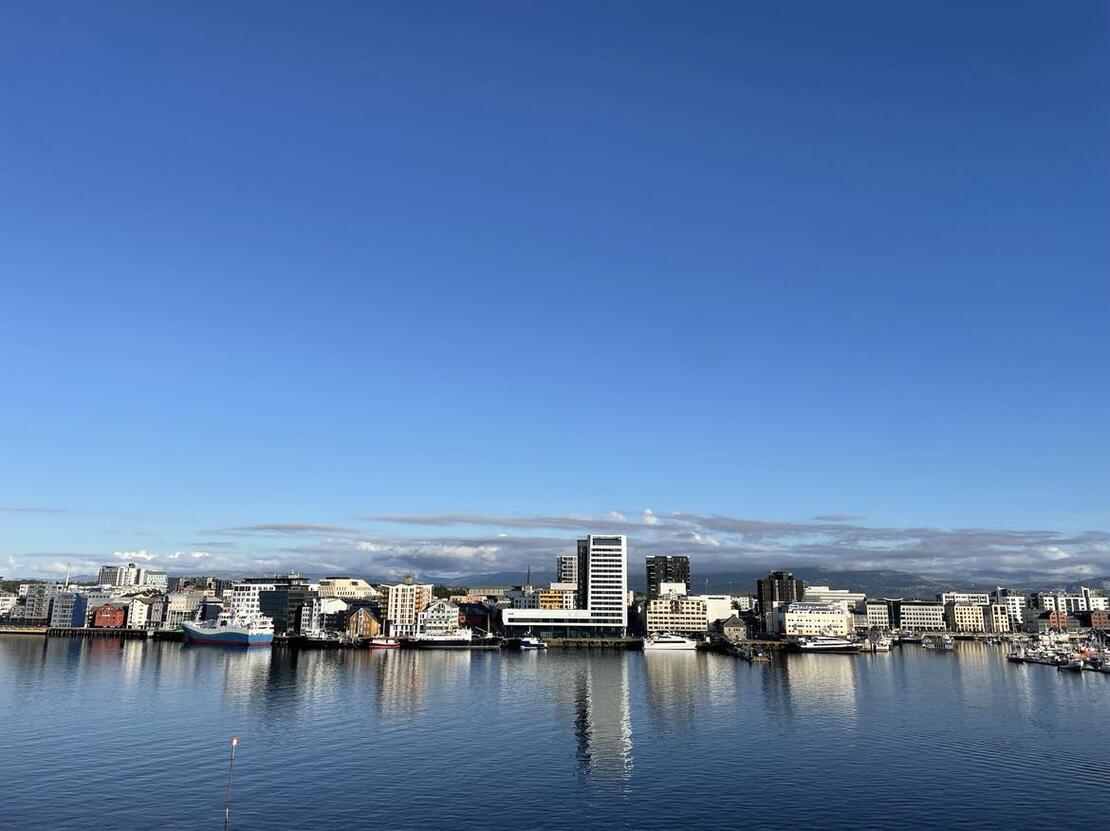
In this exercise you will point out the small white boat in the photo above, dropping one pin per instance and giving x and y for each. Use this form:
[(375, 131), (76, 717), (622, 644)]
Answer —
[(532, 643), (944, 643), (384, 643), (828, 643), (665, 641)]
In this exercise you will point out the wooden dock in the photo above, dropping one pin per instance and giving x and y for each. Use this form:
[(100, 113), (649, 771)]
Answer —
[(97, 632)]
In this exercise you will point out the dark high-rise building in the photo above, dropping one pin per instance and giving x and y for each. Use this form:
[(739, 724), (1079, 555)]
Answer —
[(663, 569), (778, 587)]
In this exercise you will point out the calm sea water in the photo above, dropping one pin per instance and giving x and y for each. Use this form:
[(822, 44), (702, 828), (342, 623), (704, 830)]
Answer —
[(134, 735)]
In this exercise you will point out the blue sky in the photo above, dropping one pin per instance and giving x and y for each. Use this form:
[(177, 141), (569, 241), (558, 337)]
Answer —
[(271, 265)]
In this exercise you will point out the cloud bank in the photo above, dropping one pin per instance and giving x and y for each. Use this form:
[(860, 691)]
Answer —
[(461, 543)]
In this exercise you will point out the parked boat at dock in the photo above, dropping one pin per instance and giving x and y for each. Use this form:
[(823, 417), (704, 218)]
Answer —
[(229, 630), (828, 643), (666, 642)]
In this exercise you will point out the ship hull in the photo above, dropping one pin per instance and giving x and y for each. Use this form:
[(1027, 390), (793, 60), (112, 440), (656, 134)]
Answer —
[(226, 636)]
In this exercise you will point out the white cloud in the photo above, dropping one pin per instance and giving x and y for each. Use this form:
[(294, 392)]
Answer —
[(650, 518), (132, 556), (200, 555)]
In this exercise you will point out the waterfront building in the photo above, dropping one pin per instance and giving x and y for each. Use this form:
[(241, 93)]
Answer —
[(919, 616), (996, 618), (69, 610), (965, 617), (35, 608), (877, 615), (676, 614), (823, 594), (110, 616), (667, 569), (601, 596), (778, 587), (1041, 621), (566, 569), (363, 623), (441, 617), (1015, 603), (804, 618), (183, 605), (348, 588), (964, 598), (7, 602), (1097, 619), (733, 628), (139, 613), (403, 602), (278, 598)]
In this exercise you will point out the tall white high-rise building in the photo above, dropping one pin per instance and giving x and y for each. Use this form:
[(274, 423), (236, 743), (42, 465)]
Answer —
[(602, 568), (603, 579)]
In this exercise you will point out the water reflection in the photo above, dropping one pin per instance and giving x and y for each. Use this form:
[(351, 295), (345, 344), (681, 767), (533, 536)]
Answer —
[(603, 719)]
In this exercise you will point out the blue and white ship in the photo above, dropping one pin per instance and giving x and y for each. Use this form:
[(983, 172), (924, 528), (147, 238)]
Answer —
[(230, 630)]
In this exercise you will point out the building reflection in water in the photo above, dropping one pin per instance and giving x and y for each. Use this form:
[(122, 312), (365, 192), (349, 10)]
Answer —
[(805, 685), (602, 719), (672, 683)]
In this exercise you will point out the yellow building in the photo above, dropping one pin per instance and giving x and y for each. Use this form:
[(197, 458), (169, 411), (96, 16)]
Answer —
[(362, 623), (557, 598), (678, 615), (964, 617)]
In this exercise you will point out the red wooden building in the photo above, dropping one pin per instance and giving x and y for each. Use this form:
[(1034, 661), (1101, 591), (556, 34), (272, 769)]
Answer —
[(110, 616)]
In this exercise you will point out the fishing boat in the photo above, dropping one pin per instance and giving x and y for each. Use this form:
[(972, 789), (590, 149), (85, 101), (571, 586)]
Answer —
[(1071, 665), (666, 642), (909, 637), (941, 643), (230, 630), (532, 643)]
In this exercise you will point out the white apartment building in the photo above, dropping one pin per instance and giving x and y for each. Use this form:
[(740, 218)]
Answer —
[(964, 617), (878, 614), (1015, 603), (964, 598), (403, 602), (922, 616), (7, 602), (676, 614), (802, 618), (155, 579), (244, 600)]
